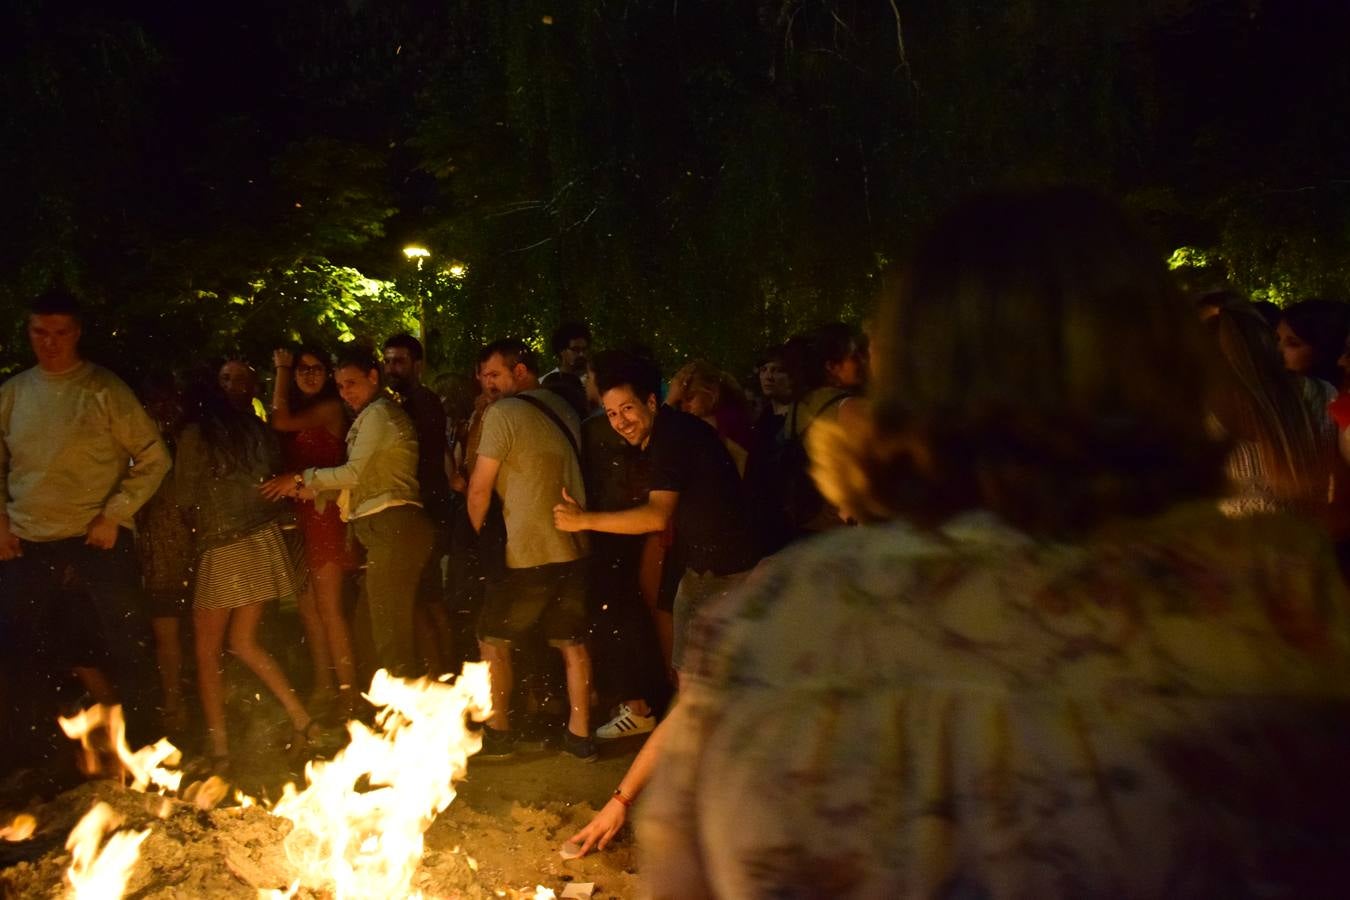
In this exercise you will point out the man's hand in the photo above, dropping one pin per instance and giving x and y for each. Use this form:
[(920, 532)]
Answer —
[(568, 515), (282, 358), (10, 548), (280, 487), (102, 533)]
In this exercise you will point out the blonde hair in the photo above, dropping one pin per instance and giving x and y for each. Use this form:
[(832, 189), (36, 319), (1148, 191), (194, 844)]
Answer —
[(699, 374), (1034, 360)]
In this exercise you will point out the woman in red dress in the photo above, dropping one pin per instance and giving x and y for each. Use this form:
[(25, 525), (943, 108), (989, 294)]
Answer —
[(307, 410)]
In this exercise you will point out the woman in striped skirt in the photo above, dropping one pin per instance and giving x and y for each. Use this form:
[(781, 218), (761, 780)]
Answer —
[(224, 452)]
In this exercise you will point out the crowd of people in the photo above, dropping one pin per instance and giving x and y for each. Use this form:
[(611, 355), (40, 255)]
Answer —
[(1037, 589), (390, 517)]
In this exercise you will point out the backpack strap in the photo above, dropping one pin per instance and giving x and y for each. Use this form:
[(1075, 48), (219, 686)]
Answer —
[(554, 417), (791, 425), (837, 398)]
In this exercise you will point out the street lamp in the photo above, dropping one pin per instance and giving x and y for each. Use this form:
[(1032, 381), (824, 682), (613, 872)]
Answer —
[(417, 254)]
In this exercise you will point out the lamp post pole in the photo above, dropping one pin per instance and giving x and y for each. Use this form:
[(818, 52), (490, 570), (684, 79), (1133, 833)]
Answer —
[(417, 254)]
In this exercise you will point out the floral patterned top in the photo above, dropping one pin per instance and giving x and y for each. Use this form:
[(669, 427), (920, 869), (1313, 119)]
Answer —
[(1161, 711)]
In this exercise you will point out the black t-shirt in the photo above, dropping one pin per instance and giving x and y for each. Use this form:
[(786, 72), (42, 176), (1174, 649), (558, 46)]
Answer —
[(712, 531), (428, 416)]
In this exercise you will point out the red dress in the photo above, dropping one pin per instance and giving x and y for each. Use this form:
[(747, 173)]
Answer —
[(324, 532)]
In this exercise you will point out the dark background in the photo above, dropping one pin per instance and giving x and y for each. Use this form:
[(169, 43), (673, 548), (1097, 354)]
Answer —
[(704, 176)]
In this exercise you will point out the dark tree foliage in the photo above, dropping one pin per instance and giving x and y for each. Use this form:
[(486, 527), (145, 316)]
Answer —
[(701, 176)]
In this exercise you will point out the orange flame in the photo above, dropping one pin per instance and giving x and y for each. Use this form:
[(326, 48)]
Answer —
[(96, 874), (359, 824), (144, 765), (20, 828)]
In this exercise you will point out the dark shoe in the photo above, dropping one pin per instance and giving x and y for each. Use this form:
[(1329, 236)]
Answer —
[(497, 744), (583, 748)]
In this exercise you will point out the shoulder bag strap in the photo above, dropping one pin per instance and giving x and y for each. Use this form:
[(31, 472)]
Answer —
[(562, 426)]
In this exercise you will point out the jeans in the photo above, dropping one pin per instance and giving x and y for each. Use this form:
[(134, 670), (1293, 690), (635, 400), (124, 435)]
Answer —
[(65, 604), (398, 542)]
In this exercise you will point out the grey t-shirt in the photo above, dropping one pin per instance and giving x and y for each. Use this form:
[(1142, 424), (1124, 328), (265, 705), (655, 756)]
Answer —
[(537, 462)]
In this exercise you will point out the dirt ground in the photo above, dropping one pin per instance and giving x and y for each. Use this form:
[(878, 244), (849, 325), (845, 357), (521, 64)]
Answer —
[(510, 819)]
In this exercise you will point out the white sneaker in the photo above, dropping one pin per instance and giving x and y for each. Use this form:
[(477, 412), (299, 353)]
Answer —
[(626, 724)]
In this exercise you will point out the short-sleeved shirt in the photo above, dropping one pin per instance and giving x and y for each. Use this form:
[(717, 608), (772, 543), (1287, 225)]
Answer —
[(712, 528), (537, 462)]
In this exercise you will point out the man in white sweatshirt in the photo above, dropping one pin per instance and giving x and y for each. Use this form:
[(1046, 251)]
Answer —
[(78, 458)]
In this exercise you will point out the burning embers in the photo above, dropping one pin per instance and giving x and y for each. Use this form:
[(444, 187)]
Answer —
[(357, 829), (359, 825), (99, 870)]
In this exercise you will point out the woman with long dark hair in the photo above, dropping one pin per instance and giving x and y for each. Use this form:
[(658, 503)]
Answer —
[(1283, 441), (1312, 335), (307, 411), (224, 453)]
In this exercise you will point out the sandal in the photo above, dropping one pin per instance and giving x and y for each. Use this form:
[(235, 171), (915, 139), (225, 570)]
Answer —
[(203, 767), (313, 740)]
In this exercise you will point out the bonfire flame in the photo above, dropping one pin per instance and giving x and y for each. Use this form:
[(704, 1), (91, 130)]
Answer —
[(101, 875), (20, 828), (359, 825), (144, 765)]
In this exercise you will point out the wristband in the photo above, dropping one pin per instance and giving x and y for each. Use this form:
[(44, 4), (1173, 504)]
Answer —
[(623, 798)]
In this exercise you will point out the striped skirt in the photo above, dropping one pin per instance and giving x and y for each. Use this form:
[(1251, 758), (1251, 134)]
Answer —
[(253, 569)]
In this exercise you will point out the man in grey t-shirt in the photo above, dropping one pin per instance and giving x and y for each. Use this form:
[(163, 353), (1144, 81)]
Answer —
[(527, 456)]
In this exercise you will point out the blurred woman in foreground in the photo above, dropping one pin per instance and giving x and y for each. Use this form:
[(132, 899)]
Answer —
[(1050, 667)]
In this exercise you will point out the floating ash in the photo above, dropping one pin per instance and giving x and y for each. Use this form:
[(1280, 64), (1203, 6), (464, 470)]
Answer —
[(98, 870), (359, 825)]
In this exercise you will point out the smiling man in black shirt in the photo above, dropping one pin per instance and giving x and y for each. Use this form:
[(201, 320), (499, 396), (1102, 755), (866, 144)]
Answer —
[(694, 484)]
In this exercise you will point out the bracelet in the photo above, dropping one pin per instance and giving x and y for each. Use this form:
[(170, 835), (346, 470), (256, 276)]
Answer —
[(283, 367), (623, 798)]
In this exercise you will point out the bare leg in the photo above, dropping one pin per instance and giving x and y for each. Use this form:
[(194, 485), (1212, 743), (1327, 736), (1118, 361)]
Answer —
[(498, 658), (320, 653), (327, 584), (169, 659), (244, 644), (577, 662), (210, 644)]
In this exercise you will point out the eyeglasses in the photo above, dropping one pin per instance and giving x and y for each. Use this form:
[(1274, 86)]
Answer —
[(310, 370)]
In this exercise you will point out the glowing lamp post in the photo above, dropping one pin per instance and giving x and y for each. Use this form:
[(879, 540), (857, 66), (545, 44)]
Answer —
[(416, 254)]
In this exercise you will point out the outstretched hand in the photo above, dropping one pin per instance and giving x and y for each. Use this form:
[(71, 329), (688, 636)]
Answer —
[(281, 358), (568, 515), (602, 828), (279, 488)]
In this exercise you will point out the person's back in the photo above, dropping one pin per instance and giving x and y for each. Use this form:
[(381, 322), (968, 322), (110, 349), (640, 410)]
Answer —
[(537, 463), (1131, 716), (220, 486)]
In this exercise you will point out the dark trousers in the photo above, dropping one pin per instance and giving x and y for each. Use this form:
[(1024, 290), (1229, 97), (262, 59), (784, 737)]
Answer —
[(398, 542), (65, 604), (624, 643)]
